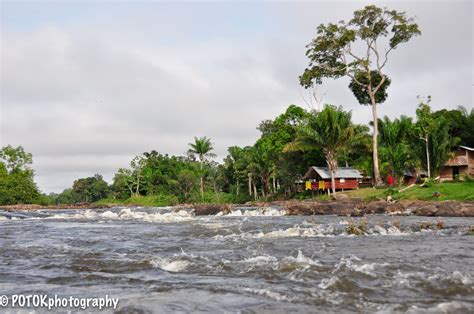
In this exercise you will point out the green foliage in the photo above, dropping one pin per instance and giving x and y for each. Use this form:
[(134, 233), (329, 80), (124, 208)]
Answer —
[(186, 184), (201, 148), (89, 189), (16, 177), (461, 124), (331, 130), (361, 80), (395, 137), (65, 197), (331, 52), (16, 159), (153, 200), (434, 130), (441, 144)]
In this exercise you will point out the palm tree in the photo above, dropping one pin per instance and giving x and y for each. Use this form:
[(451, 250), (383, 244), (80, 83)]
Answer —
[(201, 148), (331, 130), (394, 139)]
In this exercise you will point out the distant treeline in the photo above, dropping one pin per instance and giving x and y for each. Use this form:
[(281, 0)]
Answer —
[(268, 169)]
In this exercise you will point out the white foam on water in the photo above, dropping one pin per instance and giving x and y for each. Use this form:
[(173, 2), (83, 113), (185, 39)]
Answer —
[(455, 277), (179, 216), (266, 293), (296, 231), (349, 263), (380, 230), (453, 306), (263, 211), (301, 259), (443, 307), (109, 214), (128, 214), (465, 279), (3, 218), (172, 266), (328, 282), (392, 230), (261, 259)]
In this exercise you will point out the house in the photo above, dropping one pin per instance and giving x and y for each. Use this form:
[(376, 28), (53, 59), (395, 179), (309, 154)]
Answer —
[(319, 178), (411, 176), (460, 165)]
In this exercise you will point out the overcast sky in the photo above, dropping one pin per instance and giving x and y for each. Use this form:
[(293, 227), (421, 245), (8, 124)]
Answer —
[(85, 86)]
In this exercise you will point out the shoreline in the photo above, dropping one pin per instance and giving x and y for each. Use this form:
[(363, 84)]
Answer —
[(345, 207)]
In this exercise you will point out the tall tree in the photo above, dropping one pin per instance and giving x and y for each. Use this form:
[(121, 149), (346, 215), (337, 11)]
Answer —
[(332, 130), (16, 159), (201, 148), (137, 164), (425, 125), (332, 54), (441, 144)]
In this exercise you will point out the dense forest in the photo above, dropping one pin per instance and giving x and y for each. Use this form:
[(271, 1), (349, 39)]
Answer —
[(269, 169)]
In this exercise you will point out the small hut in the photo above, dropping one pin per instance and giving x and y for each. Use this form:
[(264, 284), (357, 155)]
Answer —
[(461, 164), (319, 178)]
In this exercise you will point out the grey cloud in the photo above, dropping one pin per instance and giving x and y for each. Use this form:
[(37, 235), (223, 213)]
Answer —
[(86, 98)]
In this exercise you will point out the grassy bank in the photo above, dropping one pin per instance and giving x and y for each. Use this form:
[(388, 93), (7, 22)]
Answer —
[(456, 191), (170, 200)]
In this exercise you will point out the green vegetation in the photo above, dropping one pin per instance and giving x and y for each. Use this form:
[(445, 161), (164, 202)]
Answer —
[(331, 130), (272, 168), (355, 49), (459, 191), (16, 177)]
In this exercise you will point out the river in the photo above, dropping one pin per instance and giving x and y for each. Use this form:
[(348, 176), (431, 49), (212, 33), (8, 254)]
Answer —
[(252, 260)]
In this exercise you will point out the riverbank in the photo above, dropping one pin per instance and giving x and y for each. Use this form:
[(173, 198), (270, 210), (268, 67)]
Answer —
[(346, 207), (354, 208)]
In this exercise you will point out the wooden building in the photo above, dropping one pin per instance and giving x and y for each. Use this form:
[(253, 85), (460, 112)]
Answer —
[(319, 178), (460, 165)]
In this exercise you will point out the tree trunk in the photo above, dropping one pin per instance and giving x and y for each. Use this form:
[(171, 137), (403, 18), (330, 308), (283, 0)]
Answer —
[(255, 191), (202, 183), (427, 156), (138, 185), (250, 184), (274, 184), (237, 186), (332, 165), (333, 184), (377, 180)]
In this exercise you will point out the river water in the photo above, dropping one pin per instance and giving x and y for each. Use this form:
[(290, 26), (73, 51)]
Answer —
[(252, 260)]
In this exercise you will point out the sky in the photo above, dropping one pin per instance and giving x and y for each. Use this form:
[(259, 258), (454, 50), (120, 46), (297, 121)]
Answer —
[(87, 85)]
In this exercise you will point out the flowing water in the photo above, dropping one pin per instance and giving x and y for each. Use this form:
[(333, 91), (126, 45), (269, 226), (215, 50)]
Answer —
[(252, 260)]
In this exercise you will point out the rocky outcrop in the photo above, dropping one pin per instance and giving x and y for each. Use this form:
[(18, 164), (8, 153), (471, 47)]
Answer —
[(360, 208), (211, 209)]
